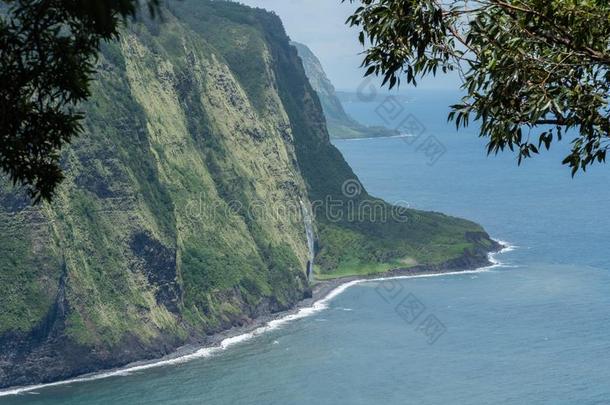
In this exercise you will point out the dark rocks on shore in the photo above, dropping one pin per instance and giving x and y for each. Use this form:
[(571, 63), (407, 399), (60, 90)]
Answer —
[(26, 361)]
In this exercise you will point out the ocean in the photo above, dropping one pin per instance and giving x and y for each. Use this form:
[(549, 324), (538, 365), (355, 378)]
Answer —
[(533, 329)]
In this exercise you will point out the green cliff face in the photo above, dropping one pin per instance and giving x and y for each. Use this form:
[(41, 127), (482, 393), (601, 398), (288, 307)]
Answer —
[(340, 124), (184, 208)]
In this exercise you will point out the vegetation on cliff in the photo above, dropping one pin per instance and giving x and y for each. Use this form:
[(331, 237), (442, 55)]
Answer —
[(183, 208)]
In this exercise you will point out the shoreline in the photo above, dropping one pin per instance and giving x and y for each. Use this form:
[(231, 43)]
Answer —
[(322, 293), (374, 137)]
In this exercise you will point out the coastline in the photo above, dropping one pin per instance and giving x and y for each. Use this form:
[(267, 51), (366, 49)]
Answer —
[(322, 293), (374, 137)]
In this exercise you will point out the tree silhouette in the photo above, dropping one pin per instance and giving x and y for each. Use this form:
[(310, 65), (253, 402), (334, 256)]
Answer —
[(48, 51), (531, 69)]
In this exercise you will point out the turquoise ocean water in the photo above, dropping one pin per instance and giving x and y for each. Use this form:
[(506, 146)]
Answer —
[(535, 330)]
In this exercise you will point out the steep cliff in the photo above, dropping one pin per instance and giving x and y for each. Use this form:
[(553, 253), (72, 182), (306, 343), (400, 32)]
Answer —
[(340, 124), (186, 204)]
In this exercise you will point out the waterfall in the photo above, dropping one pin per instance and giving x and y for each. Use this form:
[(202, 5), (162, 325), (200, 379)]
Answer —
[(308, 222)]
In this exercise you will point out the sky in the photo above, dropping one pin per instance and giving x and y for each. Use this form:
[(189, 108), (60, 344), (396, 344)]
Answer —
[(320, 24)]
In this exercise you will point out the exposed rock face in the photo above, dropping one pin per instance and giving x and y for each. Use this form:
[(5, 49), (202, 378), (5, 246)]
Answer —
[(181, 212), (159, 265)]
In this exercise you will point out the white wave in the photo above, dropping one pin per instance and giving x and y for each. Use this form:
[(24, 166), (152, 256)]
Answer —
[(507, 247), (271, 325)]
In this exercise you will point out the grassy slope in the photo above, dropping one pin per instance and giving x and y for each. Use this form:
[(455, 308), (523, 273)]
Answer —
[(29, 269), (213, 162)]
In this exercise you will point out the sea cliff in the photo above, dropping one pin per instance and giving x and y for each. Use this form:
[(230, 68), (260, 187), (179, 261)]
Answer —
[(184, 211)]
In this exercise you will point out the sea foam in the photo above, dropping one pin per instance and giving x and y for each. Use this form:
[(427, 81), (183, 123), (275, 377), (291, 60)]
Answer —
[(205, 352)]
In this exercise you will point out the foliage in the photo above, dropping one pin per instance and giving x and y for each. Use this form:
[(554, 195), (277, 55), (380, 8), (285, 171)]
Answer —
[(48, 52), (531, 69)]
